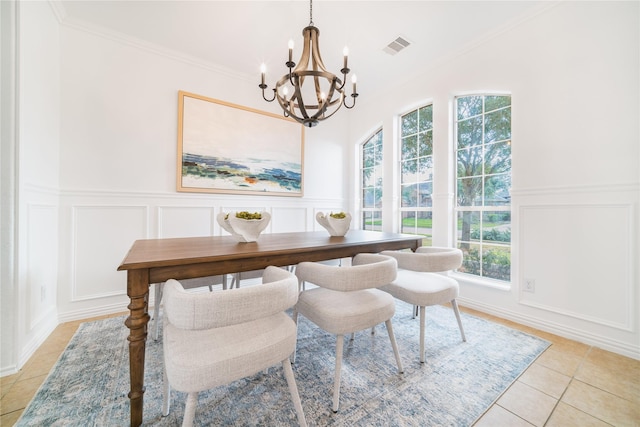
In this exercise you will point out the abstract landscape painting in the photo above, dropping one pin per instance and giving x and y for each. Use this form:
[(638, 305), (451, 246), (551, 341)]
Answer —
[(227, 148)]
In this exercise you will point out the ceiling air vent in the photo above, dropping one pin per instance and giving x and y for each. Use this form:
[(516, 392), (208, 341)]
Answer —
[(396, 46)]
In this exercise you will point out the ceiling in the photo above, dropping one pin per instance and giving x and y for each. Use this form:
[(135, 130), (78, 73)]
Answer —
[(238, 36)]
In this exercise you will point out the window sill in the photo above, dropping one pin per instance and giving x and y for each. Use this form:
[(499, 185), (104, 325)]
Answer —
[(470, 279)]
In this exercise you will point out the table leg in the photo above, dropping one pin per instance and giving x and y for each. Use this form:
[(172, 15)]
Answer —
[(138, 291)]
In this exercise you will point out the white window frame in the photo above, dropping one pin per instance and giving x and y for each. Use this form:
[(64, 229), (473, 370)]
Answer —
[(427, 241), (482, 208), (378, 133)]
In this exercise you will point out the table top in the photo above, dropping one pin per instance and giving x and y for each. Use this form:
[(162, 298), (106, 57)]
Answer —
[(158, 253)]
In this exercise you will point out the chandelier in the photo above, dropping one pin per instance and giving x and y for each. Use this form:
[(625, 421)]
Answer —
[(324, 92)]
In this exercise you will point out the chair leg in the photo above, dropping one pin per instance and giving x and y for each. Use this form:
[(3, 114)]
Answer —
[(293, 389), (235, 281), (392, 338), (295, 349), (156, 309), (166, 393), (454, 304), (422, 328), (336, 380), (190, 409)]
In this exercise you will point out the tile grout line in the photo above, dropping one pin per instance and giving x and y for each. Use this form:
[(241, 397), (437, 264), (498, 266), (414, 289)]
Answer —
[(573, 378)]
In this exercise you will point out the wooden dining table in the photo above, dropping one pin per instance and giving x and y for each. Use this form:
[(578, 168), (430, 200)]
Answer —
[(157, 260)]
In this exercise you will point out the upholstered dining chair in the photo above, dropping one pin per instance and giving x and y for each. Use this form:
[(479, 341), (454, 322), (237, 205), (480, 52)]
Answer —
[(346, 301), (215, 338), (209, 281), (419, 283)]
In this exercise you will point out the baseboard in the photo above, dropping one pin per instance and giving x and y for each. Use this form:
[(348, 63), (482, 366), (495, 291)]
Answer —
[(8, 370), (564, 331), (92, 312), (45, 327)]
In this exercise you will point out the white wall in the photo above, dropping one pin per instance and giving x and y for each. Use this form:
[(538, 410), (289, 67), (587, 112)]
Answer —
[(97, 129), (573, 72), (8, 184), (31, 291), (98, 124), (118, 162)]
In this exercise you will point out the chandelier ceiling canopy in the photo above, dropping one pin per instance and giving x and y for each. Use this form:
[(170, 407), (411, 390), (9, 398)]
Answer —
[(322, 95)]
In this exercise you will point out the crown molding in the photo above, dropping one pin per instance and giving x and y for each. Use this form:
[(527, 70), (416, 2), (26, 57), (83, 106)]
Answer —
[(128, 40), (58, 10)]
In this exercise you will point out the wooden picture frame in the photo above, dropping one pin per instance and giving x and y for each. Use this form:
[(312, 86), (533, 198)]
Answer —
[(228, 148)]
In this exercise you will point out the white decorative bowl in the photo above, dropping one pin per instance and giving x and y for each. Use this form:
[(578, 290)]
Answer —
[(244, 230), (335, 226)]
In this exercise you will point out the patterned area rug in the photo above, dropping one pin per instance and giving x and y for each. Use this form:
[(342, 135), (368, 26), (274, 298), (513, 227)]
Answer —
[(457, 384)]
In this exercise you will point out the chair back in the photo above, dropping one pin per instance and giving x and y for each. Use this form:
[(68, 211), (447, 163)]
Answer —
[(432, 259), (185, 310), (367, 271)]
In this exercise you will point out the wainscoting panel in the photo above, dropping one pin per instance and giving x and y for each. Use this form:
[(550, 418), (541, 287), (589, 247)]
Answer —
[(98, 228), (288, 219), (580, 262), (42, 261), (102, 235), (185, 221)]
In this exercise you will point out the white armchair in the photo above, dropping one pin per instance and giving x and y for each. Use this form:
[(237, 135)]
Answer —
[(210, 282), (346, 301), (216, 338), (419, 283)]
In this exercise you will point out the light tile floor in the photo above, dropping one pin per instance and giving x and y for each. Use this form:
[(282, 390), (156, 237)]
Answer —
[(570, 384)]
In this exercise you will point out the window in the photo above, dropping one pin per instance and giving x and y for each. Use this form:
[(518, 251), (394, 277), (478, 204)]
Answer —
[(483, 191), (416, 172), (371, 178)]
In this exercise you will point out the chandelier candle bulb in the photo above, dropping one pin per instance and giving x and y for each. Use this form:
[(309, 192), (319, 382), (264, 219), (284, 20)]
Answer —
[(290, 53), (345, 52), (353, 80)]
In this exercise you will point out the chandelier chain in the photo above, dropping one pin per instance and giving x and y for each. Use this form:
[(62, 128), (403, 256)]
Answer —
[(311, 13)]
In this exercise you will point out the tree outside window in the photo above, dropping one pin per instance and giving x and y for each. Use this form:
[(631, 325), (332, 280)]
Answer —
[(483, 193), (416, 172), (371, 180)]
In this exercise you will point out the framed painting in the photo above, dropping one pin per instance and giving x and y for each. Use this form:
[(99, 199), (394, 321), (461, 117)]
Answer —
[(228, 148)]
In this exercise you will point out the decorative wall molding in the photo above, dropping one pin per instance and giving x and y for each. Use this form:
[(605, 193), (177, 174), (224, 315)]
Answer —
[(211, 199), (165, 209), (58, 10), (620, 258), (573, 190), (41, 270), (563, 330), (102, 310), (41, 189), (36, 340), (290, 218), (625, 326), (93, 243), (162, 218), (146, 46)]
